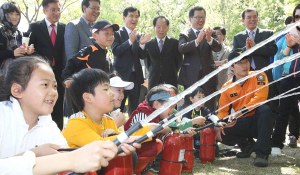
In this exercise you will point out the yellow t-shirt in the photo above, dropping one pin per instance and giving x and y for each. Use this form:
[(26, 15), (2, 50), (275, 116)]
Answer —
[(81, 130)]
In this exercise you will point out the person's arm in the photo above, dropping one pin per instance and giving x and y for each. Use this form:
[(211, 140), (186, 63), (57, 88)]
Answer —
[(268, 49), (72, 40), (260, 95), (182, 126), (117, 47), (184, 46), (224, 100), (215, 46), (178, 57)]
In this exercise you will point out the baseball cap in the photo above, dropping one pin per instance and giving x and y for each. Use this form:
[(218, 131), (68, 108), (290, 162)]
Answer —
[(118, 82), (235, 53), (104, 24)]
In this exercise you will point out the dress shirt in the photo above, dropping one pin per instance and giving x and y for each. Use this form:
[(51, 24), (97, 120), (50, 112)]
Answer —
[(49, 26), (15, 138), (18, 164), (248, 31), (87, 22)]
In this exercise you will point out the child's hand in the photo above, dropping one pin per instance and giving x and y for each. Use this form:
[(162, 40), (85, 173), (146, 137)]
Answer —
[(19, 51), (119, 119), (199, 121), (93, 156), (107, 132), (45, 150), (127, 148), (190, 131), (30, 50)]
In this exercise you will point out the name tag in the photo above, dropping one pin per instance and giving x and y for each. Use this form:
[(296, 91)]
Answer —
[(233, 95)]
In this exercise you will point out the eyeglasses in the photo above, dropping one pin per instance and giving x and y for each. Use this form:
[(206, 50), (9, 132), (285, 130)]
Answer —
[(297, 17), (132, 16), (95, 9), (54, 10), (200, 17)]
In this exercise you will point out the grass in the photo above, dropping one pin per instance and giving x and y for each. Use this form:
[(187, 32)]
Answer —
[(288, 163)]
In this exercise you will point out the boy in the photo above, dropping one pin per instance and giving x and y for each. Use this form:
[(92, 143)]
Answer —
[(92, 56)]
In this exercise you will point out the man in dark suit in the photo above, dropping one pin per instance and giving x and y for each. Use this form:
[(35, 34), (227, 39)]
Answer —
[(48, 39), (197, 44), (164, 59), (260, 57), (128, 48)]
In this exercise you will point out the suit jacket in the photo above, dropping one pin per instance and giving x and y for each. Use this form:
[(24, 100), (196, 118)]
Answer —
[(126, 56), (77, 36), (262, 55), (163, 66), (196, 58), (43, 46), (222, 76)]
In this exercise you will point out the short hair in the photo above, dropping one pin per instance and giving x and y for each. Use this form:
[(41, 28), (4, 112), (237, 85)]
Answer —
[(187, 100), (249, 10), (46, 2), (221, 28), (160, 17), (114, 74), (130, 9), (288, 20), (13, 7), (294, 12), (86, 81), (155, 90), (87, 3), (197, 8)]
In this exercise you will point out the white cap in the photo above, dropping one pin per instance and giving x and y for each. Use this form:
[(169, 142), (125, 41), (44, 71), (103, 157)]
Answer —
[(118, 82)]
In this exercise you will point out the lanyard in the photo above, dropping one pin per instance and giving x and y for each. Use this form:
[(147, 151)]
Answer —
[(194, 114), (93, 120)]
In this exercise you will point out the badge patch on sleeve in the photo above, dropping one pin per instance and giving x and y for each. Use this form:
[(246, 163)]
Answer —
[(260, 77), (233, 95)]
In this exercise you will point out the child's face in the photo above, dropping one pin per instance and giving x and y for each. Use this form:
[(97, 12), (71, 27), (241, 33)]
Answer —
[(196, 98), (104, 38), (40, 95), (167, 112), (119, 95), (103, 100)]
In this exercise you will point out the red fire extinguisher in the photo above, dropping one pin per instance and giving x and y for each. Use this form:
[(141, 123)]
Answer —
[(188, 155), (120, 165), (207, 145), (90, 173), (172, 156)]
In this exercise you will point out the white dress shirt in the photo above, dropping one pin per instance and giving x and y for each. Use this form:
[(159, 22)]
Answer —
[(14, 135), (248, 31), (18, 164), (49, 26)]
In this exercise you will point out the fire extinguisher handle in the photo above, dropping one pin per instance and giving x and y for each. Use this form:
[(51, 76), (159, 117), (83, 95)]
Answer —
[(139, 140), (184, 132), (124, 135), (73, 173)]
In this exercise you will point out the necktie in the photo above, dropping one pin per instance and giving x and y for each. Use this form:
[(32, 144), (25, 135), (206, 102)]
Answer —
[(53, 38), (252, 62), (197, 33), (160, 45)]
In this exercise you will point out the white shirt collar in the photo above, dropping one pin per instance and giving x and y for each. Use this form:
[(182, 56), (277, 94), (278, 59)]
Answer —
[(128, 30), (42, 120), (197, 30), (164, 38), (87, 22), (49, 23), (253, 31)]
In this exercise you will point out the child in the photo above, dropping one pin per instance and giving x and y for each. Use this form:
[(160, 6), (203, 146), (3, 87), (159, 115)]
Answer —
[(27, 97), (118, 86), (199, 111), (92, 56), (10, 36)]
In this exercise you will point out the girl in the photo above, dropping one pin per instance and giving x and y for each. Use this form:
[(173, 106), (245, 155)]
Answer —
[(118, 86), (10, 36), (27, 97)]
